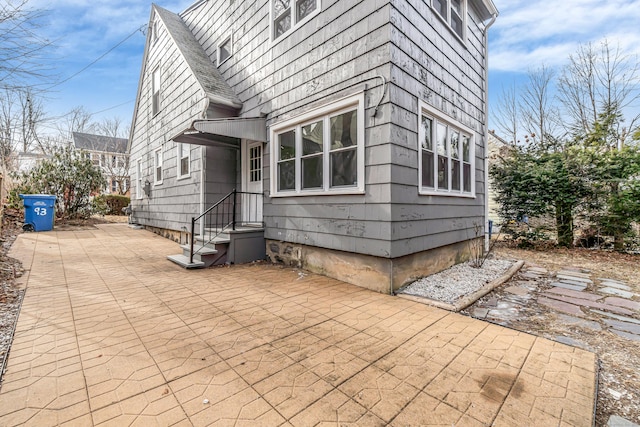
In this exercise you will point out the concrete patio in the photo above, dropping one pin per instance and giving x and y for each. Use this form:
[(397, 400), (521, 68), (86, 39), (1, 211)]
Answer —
[(111, 333)]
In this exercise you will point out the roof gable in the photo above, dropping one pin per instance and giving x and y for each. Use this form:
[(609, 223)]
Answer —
[(205, 72)]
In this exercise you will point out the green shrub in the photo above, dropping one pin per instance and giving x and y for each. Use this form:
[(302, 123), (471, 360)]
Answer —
[(110, 204), (67, 175)]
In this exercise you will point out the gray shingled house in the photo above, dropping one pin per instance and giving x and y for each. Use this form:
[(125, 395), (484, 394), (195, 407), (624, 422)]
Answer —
[(344, 137)]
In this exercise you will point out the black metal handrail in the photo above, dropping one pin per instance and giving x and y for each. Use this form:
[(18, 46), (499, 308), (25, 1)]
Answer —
[(223, 215)]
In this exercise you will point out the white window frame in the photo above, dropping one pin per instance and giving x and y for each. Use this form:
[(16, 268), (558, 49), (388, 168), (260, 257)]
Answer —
[(295, 22), (324, 114), (156, 83), (139, 191), (228, 39), (451, 14), (452, 126), (180, 150), (158, 163)]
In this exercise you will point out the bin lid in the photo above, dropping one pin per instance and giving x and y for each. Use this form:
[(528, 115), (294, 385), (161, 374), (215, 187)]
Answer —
[(38, 196)]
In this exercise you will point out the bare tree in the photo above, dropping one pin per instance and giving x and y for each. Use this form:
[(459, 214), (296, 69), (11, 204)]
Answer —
[(76, 120), (540, 113), (22, 50), (530, 115), (506, 115), (21, 113), (8, 127), (113, 127), (597, 81)]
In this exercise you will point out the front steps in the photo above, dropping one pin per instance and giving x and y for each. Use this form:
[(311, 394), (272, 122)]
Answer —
[(238, 246)]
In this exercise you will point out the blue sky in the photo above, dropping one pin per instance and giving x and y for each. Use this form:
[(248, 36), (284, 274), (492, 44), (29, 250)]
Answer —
[(527, 35), (82, 31), (531, 33)]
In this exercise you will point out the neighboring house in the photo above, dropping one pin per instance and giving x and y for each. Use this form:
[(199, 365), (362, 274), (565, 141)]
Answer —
[(496, 148), (111, 155), (362, 123), (27, 161)]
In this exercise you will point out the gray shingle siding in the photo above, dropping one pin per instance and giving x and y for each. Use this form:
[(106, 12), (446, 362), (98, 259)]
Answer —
[(341, 51)]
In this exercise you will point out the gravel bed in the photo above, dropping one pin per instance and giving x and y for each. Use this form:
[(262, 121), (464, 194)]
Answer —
[(462, 279)]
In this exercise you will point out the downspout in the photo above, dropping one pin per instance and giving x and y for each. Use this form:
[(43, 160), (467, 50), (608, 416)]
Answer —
[(486, 131)]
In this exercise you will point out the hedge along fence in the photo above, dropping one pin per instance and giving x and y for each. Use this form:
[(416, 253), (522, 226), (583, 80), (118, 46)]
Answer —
[(110, 204)]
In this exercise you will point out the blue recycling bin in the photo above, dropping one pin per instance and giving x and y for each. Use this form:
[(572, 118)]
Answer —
[(39, 211)]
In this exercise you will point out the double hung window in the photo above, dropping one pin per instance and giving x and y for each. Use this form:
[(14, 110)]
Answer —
[(453, 13), (184, 160), (288, 14), (155, 91), (139, 183), (157, 166), (322, 151), (446, 160)]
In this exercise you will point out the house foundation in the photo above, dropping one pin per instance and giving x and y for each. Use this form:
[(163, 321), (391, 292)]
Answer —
[(384, 275)]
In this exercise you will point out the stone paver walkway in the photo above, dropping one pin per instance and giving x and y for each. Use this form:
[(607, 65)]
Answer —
[(574, 291), (111, 333)]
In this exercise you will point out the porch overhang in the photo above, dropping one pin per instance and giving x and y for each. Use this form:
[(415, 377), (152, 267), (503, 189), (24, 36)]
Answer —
[(227, 131)]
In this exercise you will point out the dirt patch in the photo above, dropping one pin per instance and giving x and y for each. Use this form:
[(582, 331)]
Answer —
[(10, 294), (619, 377)]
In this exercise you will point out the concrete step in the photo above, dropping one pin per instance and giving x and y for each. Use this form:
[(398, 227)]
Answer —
[(183, 261), (199, 249), (218, 240)]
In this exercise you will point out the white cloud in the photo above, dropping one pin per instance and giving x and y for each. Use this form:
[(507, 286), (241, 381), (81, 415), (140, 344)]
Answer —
[(529, 34)]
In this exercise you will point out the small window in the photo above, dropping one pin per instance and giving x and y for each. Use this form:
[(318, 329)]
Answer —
[(139, 183), (95, 159), (155, 91), (154, 31), (103, 160), (288, 14), (184, 160), (453, 13), (446, 155), (114, 186), (255, 164), (322, 151), (225, 50), (157, 166)]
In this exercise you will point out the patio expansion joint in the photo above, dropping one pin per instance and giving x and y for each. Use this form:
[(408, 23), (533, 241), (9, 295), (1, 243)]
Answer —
[(423, 389), (75, 330), (368, 365)]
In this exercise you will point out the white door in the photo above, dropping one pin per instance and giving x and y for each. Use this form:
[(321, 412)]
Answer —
[(252, 201)]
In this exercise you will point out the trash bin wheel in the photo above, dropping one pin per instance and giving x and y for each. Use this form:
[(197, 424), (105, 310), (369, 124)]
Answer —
[(28, 228)]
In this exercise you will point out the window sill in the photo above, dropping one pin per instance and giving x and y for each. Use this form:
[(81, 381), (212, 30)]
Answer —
[(446, 194), (226, 60), (322, 193), (183, 177)]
